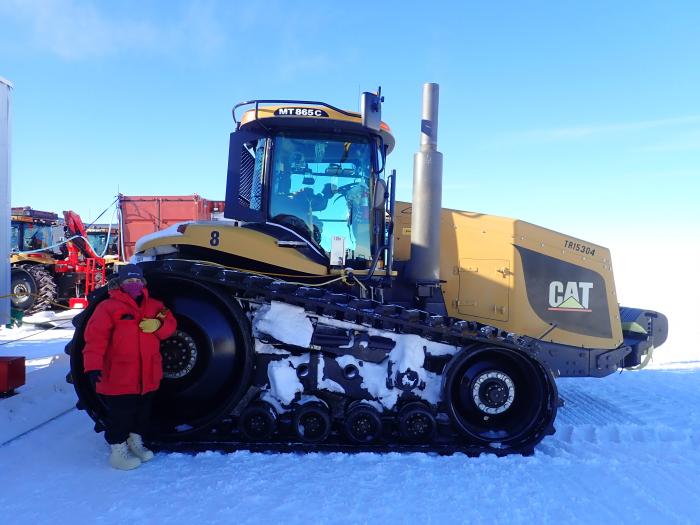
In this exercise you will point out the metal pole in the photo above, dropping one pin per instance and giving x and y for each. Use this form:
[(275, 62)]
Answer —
[(427, 194), (120, 217), (5, 88)]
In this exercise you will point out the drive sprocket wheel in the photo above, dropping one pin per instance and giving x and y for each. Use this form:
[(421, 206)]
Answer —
[(214, 337), (33, 288)]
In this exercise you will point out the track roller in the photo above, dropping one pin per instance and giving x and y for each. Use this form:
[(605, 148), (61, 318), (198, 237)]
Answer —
[(363, 424), (258, 422), (416, 423), (312, 422)]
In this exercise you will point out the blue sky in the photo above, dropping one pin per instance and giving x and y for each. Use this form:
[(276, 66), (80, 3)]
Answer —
[(580, 116)]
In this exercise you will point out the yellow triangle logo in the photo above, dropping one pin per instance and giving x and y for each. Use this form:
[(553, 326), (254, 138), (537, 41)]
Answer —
[(572, 304)]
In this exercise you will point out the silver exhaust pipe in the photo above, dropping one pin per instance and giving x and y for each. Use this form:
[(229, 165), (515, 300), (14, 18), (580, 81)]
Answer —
[(427, 196)]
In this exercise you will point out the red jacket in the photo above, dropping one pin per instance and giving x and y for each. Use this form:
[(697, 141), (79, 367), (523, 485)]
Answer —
[(129, 359)]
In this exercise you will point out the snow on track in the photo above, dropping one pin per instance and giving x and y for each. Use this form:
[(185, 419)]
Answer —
[(627, 450)]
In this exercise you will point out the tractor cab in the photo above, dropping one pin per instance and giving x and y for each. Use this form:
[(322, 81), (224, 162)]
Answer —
[(312, 174), (34, 230)]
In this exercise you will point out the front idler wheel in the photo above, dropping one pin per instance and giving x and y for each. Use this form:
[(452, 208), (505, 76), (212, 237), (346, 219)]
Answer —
[(500, 397), (416, 423), (258, 421), (312, 422), (363, 424)]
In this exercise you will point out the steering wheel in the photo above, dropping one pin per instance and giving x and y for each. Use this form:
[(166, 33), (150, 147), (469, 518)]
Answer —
[(342, 191), (299, 226)]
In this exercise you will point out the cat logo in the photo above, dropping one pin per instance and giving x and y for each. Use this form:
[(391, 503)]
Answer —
[(569, 297)]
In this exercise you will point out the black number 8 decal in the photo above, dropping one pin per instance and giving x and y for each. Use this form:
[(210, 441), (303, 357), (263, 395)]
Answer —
[(214, 241)]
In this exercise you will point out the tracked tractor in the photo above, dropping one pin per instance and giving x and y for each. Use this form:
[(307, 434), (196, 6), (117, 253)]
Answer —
[(324, 315)]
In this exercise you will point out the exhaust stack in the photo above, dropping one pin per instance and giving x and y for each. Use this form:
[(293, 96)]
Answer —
[(427, 200)]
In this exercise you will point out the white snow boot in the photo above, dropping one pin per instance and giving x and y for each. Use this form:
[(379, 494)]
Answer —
[(121, 458), (136, 446)]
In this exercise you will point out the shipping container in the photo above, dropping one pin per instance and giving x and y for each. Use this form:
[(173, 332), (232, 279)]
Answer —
[(141, 215)]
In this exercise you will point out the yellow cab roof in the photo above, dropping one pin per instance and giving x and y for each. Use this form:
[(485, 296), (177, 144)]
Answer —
[(306, 114)]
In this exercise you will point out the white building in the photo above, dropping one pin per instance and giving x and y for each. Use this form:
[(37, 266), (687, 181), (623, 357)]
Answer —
[(5, 88)]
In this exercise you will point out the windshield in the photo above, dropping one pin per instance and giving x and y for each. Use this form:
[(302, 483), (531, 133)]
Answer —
[(36, 236), (98, 240), (321, 188), (14, 241)]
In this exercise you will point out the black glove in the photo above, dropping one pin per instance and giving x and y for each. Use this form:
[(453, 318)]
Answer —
[(94, 376)]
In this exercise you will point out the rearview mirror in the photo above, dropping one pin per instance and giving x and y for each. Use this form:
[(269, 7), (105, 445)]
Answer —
[(380, 194), (371, 109)]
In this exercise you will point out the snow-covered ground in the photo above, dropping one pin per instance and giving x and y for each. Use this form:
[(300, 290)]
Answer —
[(627, 450)]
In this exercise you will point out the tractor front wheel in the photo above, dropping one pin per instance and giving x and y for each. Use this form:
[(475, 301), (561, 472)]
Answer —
[(33, 288)]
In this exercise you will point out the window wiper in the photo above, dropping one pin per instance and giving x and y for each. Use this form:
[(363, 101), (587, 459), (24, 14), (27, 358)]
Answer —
[(350, 219)]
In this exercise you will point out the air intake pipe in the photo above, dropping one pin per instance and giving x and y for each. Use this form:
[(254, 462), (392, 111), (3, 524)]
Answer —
[(427, 200)]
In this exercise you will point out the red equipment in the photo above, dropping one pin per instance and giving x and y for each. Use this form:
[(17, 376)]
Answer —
[(81, 258), (12, 374), (51, 272)]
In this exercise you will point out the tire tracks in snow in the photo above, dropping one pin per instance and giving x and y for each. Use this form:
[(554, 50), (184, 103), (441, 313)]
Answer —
[(37, 427), (643, 431)]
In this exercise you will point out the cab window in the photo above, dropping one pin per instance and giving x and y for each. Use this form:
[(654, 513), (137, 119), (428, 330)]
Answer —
[(320, 187), (251, 174), (14, 242), (36, 237)]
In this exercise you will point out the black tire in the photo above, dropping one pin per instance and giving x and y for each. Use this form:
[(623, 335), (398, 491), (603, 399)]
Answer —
[(35, 281), (363, 424), (312, 422), (501, 398), (258, 421), (417, 423), (193, 402)]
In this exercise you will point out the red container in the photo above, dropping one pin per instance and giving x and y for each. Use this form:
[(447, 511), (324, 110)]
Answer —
[(11, 373), (141, 215)]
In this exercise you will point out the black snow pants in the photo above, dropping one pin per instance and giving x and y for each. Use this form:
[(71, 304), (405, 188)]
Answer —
[(127, 413)]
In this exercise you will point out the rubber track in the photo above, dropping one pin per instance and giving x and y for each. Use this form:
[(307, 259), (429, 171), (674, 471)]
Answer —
[(340, 306)]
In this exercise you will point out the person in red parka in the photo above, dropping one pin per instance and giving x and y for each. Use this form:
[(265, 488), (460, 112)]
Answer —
[(122, 360)]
